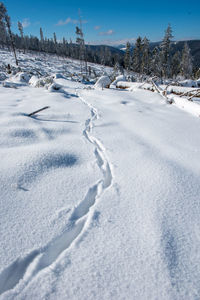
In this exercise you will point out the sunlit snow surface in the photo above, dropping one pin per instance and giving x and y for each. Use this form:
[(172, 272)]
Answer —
[(100, 193)]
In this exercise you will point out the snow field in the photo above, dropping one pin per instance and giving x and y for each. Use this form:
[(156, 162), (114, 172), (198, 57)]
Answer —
[(99, 194)]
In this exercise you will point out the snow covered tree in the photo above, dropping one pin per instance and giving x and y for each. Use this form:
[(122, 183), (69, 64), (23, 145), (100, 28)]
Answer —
[(42, 39), (175, 65), (81, 44), (155, 63), (117, 70), (3, 33), (41, 35), (21, 31), (55, 42), (165, 52), (137, 55), (127, 57), (54, 38), (186, 62), (145, 60)]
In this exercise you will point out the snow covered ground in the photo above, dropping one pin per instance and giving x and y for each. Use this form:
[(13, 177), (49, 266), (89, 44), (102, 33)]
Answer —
[(99, 193)]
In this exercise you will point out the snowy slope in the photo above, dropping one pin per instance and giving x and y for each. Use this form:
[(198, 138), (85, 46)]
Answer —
[(99, 194)]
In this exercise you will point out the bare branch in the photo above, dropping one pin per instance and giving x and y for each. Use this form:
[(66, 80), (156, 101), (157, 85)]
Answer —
[(37, 111)]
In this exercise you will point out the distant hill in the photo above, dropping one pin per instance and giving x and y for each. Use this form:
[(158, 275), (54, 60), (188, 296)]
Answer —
[(98, 48)]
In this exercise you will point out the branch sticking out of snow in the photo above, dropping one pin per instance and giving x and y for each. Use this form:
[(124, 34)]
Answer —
[(37, 111), (190, 93), (161, 92)]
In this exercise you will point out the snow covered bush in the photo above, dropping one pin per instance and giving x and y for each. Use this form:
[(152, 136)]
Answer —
[(103, 82), (40, 82)]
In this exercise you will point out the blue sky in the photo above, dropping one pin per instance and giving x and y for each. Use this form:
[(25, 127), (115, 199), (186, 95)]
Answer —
[(110, 22)]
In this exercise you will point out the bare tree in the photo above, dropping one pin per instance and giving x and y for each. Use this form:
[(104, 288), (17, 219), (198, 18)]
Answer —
[(20, 27)]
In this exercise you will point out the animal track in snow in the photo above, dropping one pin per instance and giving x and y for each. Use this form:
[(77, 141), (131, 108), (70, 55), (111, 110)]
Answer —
[(25, 269)]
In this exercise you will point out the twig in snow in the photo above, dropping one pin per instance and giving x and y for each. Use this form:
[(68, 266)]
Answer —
[(190, 92), (37, 111), (194, 95)]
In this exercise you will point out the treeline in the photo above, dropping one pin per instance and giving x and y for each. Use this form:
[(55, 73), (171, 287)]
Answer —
[(161, 61)]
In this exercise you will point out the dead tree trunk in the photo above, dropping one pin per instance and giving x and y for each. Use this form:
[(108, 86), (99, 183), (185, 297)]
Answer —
[(7, 19)]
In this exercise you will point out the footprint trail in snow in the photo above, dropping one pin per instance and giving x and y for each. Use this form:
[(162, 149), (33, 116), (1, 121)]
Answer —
[(23, 270)]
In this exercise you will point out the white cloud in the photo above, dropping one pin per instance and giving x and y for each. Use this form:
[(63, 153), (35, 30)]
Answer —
[(69, 21), (109, 32), (26, 23), (97, 27)]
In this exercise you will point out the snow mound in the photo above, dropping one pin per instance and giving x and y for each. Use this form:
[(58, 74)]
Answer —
[(2, 76), (40, 82), (128, 85), (33, 81), (188, 83), (21, 77), (186, 105), (103, 82), (54, 87), (57, 76), (119, 78), (8, 84)]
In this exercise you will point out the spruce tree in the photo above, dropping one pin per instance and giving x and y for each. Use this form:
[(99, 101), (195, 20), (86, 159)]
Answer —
[(55, 42), (42, 42), (81, 46), (127, 57), (186, 62), (155, 63), (3, 34), (21, 31), (176, 64), (165, 52), (137, 55), (145, 60)]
